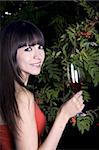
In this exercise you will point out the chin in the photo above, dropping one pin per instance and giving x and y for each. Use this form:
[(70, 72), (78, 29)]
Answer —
[(35, 73)]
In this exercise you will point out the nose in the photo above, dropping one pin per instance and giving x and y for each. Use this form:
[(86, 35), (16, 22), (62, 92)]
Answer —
[(36, 57), (36, 54)]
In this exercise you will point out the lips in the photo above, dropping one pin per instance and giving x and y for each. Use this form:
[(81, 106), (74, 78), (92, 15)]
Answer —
[(36, 64)]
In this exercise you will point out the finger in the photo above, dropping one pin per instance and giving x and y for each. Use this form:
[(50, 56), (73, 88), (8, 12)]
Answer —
[(78, 102), (82, 107), (79, 105), (78, 94), (80, 99), (74, 100)]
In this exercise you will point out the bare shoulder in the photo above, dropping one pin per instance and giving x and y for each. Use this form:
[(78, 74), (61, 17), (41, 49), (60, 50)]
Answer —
[(24, 97), (27, 122)]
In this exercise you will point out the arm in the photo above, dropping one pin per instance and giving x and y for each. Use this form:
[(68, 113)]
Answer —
[(28, 138), (55, 133), (67, 110)]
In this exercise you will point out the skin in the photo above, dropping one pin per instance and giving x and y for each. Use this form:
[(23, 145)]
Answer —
[(30, 62)]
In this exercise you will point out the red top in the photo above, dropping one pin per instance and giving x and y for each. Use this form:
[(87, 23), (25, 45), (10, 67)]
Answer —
[(5, 135)]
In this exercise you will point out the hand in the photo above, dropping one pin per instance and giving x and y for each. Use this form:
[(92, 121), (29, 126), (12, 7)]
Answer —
[(74, 106)]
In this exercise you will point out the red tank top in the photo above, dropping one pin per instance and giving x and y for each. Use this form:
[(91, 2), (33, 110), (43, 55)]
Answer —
[(5, 135)]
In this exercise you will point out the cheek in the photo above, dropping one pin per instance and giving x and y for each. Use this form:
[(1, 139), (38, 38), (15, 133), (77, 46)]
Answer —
[(22, 60), (43, 56)]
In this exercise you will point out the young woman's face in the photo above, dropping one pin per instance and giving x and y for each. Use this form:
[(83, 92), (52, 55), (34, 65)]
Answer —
[(30, 59)]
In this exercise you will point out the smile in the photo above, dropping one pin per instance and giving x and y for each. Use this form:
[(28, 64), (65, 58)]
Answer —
[(36, 65)]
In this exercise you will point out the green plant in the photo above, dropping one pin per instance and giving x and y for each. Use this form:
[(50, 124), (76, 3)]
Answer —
[(78, 44)]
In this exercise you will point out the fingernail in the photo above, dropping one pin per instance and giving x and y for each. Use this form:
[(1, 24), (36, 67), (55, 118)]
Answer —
[(80, 92)]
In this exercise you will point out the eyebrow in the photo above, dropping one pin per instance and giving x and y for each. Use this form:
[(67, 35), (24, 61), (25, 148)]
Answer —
[(25, 45)]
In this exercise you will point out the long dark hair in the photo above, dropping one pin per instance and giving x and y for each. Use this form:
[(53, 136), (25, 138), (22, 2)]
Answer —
[(12, 37)]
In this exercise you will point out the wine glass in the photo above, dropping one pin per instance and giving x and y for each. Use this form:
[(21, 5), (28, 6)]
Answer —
[(73, 74), (74, 78)]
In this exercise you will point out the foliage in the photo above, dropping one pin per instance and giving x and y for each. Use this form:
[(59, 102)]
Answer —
[(85, 122), (78, 44)]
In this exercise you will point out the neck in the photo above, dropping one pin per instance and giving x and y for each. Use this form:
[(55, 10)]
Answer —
[(25, 78)]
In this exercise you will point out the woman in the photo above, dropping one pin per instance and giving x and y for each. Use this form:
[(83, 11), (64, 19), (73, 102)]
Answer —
[(21, 120)]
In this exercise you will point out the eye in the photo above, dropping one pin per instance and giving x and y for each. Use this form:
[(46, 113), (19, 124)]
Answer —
[(28, 49), (40, 47)]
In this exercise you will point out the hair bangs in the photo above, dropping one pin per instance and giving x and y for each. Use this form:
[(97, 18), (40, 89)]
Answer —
[(30, 35)]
